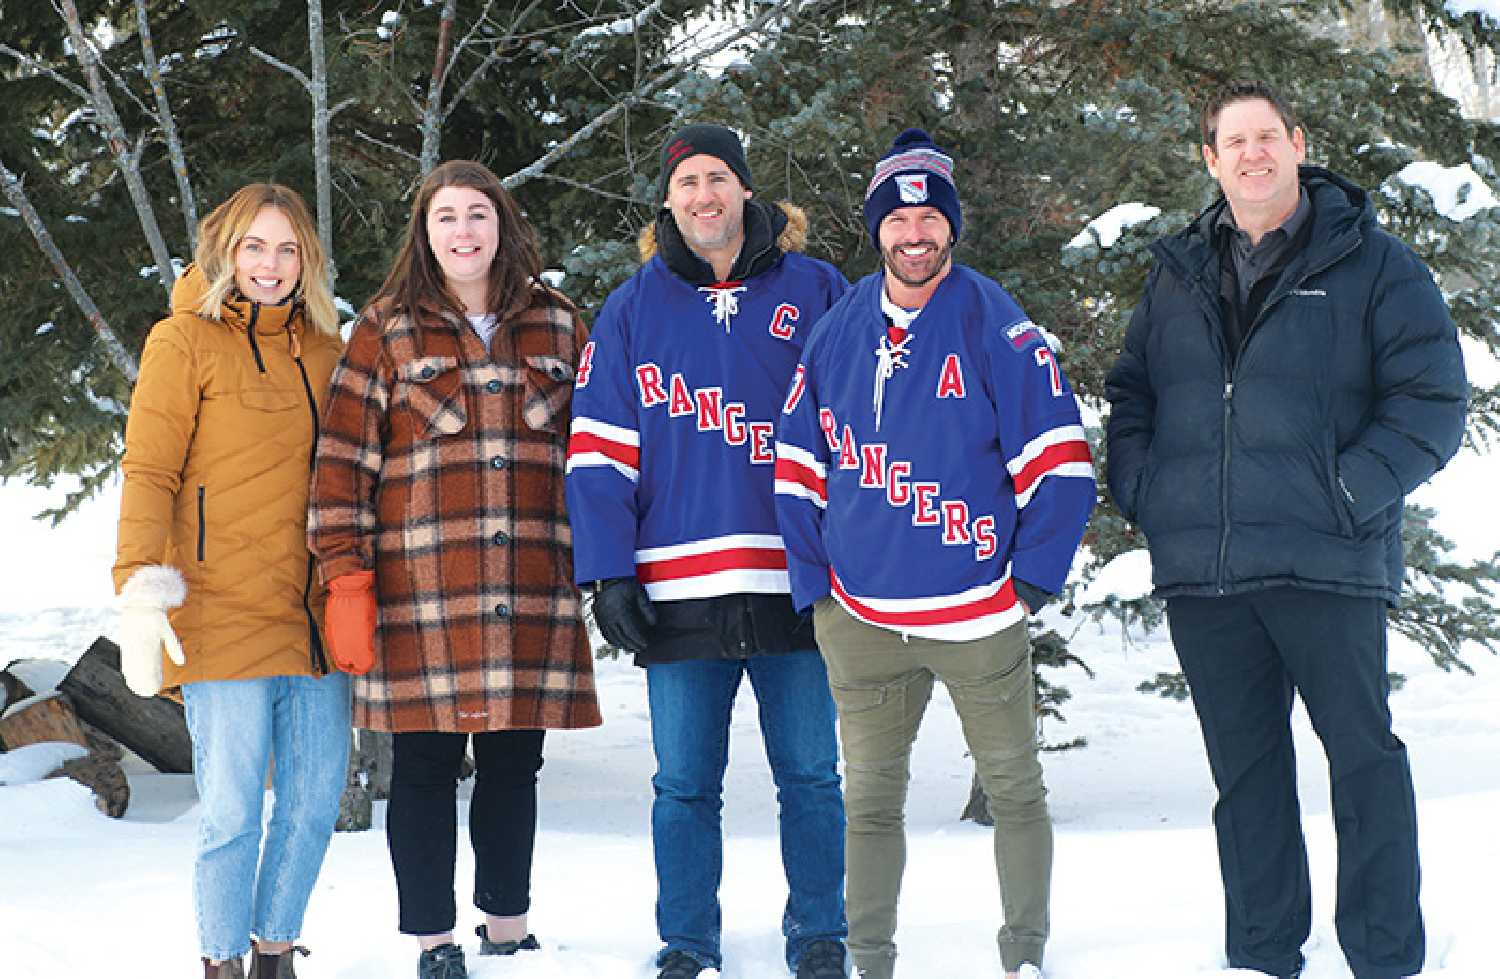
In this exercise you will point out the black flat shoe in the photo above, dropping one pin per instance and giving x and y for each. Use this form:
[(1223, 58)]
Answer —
[(487, 947)]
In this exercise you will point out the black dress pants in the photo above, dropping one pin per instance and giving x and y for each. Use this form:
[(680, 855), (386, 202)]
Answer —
[(1245, 656), (422, 823)]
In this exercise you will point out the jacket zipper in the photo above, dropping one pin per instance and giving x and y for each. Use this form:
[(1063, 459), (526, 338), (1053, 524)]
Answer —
[(1224, 481), (315, 644), (260, 363), (1271, 302), (202, 524)]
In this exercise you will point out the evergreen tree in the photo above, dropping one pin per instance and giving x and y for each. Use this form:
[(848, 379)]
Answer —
[(1056, 111)]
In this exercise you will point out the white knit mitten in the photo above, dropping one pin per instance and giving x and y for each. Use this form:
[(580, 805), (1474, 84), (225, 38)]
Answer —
[(144, 628)]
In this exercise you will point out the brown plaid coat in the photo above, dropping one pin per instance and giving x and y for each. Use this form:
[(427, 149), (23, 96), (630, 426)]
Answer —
[(440, 465)]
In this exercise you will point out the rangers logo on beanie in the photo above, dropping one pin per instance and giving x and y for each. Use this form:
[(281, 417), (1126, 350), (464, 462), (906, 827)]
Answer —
[(913, 173)]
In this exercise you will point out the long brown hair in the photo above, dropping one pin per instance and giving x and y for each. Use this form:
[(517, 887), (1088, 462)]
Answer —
[(220, 234), (415, 282)]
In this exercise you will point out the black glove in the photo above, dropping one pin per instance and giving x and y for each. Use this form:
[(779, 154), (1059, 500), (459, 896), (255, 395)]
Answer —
[(623, 613), (1030, 594)]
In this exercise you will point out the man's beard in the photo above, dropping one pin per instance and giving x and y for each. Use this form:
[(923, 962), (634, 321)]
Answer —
[(700, 243), (939, 261)]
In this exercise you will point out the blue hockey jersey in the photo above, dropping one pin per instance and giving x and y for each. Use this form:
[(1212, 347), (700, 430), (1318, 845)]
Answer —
[(917, 470), (672, 454)]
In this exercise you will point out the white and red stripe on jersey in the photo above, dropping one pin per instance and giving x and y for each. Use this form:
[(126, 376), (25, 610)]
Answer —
[(1062, 451), (970, 614), (597, 443), (726, 565)]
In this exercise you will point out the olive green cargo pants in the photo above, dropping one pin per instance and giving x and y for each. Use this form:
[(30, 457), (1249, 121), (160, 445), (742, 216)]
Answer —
[(881, 684)]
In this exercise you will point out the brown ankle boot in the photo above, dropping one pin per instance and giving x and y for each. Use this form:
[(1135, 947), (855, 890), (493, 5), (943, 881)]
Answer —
[(278, 966), (228, 969)]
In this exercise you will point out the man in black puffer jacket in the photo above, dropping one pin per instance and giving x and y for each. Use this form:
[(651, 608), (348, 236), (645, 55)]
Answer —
[(1290, 375)]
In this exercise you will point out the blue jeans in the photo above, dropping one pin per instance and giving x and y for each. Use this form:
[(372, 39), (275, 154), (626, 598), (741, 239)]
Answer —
[(691, 703), (237, 726)]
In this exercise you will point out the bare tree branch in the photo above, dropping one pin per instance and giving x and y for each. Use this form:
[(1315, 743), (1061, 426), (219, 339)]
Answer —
[(499, 45), (496, 47), (15, 192), (127, 162), (41, 68), (640, 94), (276, 62), (125, 88), (383, 144), (596, 191), (168, 127)]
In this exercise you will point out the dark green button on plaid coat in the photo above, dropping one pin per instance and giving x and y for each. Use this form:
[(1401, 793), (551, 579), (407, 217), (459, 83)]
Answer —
[(440, 465)]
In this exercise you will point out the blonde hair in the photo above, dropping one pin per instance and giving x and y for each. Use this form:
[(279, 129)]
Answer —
[(220, 233)]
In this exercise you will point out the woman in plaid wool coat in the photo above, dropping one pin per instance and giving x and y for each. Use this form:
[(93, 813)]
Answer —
[(438, 521)]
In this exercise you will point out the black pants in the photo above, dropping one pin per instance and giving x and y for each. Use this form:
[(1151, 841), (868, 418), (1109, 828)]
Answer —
[(1244, 657), (422, 823)]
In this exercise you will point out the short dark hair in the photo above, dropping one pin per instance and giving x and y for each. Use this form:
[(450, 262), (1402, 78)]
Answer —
[(1243, 91)]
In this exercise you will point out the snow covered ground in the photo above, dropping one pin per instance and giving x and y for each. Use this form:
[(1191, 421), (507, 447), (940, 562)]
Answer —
[(1136, 889)]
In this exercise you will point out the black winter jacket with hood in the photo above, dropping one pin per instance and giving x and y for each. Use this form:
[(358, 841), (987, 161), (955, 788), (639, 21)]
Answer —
[(1289, 464)]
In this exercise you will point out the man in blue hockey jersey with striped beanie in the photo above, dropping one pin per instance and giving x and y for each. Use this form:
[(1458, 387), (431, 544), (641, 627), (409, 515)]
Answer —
[(933, 483), (670, 491)]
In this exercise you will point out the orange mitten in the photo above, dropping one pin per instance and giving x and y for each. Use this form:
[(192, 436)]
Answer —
[(350, 621)]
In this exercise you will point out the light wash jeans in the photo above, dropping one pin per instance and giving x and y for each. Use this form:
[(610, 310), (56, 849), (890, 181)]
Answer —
[(691, 704), (237, 727)]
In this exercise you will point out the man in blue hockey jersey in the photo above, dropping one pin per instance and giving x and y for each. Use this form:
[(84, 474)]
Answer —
[(933, 483), (670, 491)]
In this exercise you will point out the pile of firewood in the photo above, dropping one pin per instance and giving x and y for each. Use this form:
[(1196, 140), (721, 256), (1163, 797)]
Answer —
[(93, 708)]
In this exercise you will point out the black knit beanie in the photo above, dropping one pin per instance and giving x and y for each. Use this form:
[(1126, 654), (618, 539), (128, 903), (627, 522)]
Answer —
[(914, 172), (716, 141)]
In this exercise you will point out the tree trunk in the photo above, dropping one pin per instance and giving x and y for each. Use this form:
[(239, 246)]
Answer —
[(432, 113), (126, 159), (152, 727), (12, 689), (15, 192), (978, 806), (369, 779), (318, 88), (168, 126), (100, 770), (40, 719)]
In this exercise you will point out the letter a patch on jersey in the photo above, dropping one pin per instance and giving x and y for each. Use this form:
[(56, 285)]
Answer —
[(951, 379)]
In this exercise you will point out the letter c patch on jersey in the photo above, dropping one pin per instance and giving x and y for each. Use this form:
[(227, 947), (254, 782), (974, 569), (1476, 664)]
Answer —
[(784, 320), (951, 379)]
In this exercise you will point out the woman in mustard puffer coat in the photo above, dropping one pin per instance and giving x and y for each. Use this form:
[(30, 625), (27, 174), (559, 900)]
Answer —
[(213, 566)]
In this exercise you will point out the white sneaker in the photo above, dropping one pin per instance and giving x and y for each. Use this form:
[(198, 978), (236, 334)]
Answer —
[(1028, 971)]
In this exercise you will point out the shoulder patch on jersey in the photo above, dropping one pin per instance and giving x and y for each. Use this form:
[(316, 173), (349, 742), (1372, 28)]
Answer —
[(1024, 334)]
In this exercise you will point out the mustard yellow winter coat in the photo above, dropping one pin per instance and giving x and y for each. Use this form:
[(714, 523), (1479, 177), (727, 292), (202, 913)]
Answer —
[(218, 451)]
